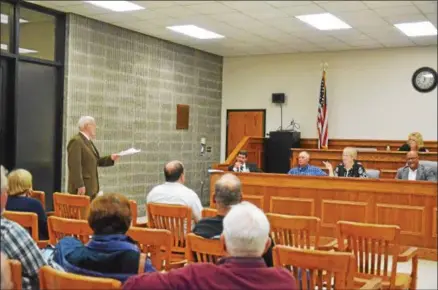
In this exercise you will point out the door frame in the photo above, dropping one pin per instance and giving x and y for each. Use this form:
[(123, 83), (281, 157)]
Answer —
[(243, 110)]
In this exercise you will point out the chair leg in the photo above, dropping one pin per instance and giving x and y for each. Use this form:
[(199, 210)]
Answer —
[(414, 272)]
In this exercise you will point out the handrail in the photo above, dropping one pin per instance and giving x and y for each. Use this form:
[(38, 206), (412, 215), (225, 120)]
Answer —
[(242, 145)]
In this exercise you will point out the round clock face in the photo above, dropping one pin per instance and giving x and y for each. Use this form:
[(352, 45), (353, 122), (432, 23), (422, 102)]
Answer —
[(424, 79)]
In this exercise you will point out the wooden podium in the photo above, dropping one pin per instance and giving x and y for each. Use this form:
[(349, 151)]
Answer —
[(277, 150)]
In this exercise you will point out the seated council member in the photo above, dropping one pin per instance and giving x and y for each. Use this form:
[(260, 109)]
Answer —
[(349, 167), (241, 165), (415, 143), (304, 168), (414, 170)]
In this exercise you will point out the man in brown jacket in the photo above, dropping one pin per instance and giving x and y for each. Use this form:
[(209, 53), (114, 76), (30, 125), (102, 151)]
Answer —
[(83, 160)]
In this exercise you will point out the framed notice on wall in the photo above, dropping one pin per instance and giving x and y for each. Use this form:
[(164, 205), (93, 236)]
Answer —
[(182, 117)]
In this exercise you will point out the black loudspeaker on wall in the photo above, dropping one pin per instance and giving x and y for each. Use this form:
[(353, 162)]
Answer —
[(278, 98)]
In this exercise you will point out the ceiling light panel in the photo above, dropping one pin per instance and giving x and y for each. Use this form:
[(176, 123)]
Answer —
[(324, 21), (413, 29), (195, 31)]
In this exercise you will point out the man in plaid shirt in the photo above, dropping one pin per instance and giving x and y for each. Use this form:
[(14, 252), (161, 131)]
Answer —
[(17, 244)]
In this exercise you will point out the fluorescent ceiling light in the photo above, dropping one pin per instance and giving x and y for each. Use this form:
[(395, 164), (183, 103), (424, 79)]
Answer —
[(423, 28), (195, 31), (4, 19), (20, 50), (117, 6), (324, 21)]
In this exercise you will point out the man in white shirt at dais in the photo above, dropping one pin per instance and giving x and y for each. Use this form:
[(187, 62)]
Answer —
[(173, 191)]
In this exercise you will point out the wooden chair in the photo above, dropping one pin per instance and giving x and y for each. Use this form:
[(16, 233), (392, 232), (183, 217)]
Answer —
[(315, 269), (39, 195), (28, 220), (156, 244), (136, 222), (209, 212), (203, 250), (175, 218), (62, 227), (71, 206), (51, 279), (296, 231), (257, 200), (371, 245), (16, 277)]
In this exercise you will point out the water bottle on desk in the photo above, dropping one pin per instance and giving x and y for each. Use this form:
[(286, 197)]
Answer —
[(388, 148)]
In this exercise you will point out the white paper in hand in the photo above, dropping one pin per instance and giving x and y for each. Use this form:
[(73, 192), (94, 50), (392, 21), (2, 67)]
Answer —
[(129, 151)]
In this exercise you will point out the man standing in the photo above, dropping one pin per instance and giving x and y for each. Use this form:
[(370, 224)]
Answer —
[(83, 160), (414, 170), (241, 166), (173, 191), (304, 168)]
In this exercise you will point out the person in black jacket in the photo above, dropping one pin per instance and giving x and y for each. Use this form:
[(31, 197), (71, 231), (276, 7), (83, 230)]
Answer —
[(241, 165), (227, 193), (349, 167), (415, 143)]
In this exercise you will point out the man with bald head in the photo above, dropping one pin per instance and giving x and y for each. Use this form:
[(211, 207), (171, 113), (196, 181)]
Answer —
[(304, 168), (414, 170), (173, 191)]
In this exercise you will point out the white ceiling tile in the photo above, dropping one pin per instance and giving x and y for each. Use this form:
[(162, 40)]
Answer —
[(364, 43), (288, 3), (432, 18), (397, 43), (114, 18), (247, 5), (211, 8), (402, 10), (405, 18), (266, 14), (349, 35), (339, 6), (362, 18), (58, 3), (152, 4), (303, 10), (145, 14), (176, 11), (428, 7), (190, 3), (291, 24), (379, 4), (425, 40)]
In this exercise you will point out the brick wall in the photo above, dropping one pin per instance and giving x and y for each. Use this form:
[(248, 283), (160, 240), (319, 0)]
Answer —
[(131, 83)]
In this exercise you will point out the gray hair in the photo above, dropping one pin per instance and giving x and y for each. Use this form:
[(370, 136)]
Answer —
[(228, 190), (85, 120), (5, 282), (351, 151), (3, 179), (305, 153), (246, 230)]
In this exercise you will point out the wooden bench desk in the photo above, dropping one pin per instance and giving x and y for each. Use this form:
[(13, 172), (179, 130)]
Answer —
[(410, 204)]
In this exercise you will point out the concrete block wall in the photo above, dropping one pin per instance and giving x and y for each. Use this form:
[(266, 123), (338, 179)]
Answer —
[(131, 83)]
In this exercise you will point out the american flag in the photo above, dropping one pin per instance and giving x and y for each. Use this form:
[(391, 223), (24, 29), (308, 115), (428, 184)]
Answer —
[(322, 120)]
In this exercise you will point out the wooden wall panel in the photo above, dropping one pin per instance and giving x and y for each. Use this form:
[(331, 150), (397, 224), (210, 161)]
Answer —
[(434, 222), (333, 211), (292, 206), (411, 219)]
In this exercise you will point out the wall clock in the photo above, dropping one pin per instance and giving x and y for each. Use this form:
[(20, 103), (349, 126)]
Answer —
[(424, 79)]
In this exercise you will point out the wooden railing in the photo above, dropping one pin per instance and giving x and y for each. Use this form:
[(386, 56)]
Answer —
[(255, 148), (312, 143)]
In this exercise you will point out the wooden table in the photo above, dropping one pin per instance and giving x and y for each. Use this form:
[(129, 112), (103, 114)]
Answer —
[(410, 204)]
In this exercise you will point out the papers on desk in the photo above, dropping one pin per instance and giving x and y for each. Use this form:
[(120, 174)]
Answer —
[(129, 151), (214, 170)]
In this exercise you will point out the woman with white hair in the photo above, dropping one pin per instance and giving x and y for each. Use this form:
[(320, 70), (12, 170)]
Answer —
[(349, 167)]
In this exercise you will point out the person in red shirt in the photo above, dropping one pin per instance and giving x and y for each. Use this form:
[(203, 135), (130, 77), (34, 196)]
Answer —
[(246, 238)]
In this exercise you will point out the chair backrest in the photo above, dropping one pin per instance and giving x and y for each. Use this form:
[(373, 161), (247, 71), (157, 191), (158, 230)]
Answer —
[(373, 173), (28, 220), (314, 269), (62, 227), (370, 243), (134, 212), (71, 206), (257, 200), (54, 279), (16, 277), (155, 243), (40, 195), (294, 231), (203, 250), (209, 212), (175, 218)]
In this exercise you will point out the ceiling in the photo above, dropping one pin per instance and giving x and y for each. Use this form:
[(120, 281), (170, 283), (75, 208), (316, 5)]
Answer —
[(269, 27)]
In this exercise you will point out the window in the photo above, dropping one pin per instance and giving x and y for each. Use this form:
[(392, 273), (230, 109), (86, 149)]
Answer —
[(37, 34), (6, 24)]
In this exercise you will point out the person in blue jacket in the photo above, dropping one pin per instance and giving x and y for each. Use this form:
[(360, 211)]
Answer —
[(110, 253)]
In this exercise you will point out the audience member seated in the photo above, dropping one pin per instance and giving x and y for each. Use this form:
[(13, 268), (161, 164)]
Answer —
[(228, 192), (304, 168), (17, 244), (110, 252), (414, 170), (246, 238), (173, 191), (415, 143), (349, 167), (241, 165), (20, 187), (6, 279)]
